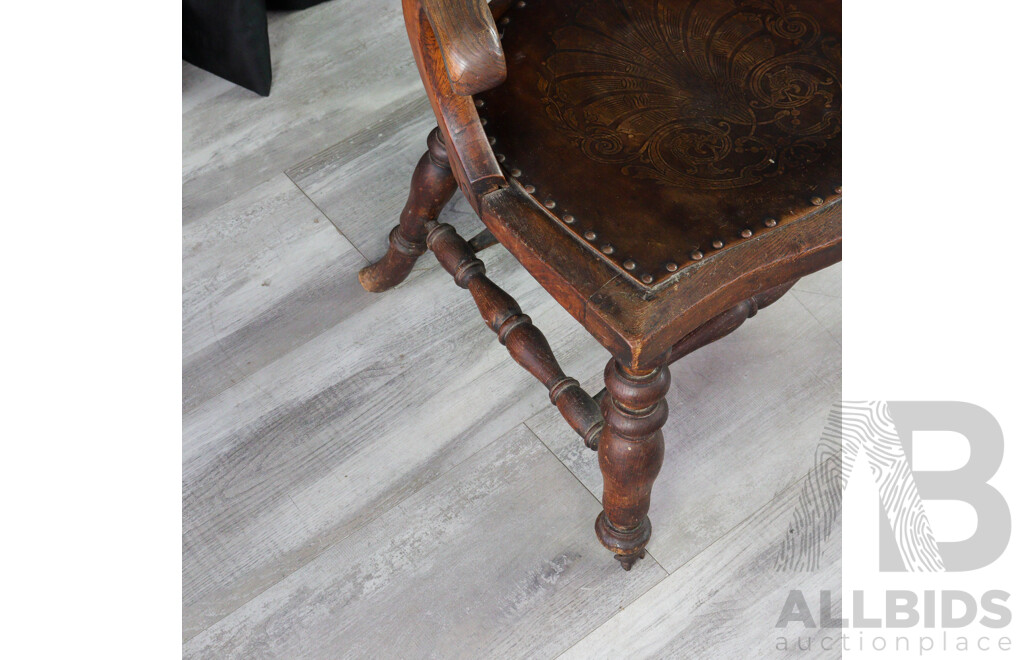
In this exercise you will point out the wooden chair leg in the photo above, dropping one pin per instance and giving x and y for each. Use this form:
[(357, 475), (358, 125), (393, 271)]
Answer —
[(516, 332), (432, 186), (630, 453)]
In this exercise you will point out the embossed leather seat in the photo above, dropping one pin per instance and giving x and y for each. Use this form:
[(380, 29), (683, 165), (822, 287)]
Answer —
[(664, 168), (659, 132)]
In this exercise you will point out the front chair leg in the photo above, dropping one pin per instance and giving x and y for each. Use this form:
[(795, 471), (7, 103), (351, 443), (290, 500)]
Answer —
[(432, 186), (630, 453)]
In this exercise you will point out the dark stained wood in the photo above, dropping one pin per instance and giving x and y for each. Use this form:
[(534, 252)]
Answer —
[(727, 321), (697, 120), (469, 44), (561, 264), (482, 241), (499, 7), (525, 343), (664, 168), (641, 328), (473, 163), (432, 187), (718, 327), (630, 456)]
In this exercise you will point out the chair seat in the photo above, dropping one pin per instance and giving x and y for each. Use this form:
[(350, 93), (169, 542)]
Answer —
[(661, 132)]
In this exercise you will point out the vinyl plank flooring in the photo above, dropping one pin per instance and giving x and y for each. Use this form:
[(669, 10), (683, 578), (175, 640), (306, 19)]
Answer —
[(820, 306), (361, 183), (290, 459), (821, 295), (827, 282), (495, 559), (261, 275), (335, 67), (349, 473), (726, 601), (745, 415)]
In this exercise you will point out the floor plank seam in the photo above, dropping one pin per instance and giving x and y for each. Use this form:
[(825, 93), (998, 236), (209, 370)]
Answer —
[(189, 218), (562, 463), (415, 104), (295, 546), (728, 531), (743, 522), (818, 321), (817, 293), (734, 529), (591, 494), (324, 213), (370, 520)]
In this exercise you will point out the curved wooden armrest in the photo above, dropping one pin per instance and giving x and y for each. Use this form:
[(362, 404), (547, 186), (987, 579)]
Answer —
[(469, 44)]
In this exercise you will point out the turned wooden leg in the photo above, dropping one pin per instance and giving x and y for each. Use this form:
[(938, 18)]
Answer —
[(525, 343), (432, 186), (630, 453)]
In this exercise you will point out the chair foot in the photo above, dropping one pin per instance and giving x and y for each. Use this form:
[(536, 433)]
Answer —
[(391, 269), (627, 561), (630, 453), (627, 545), (432, 186)]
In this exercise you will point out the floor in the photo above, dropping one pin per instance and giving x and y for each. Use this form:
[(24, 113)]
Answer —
[(370, 475)]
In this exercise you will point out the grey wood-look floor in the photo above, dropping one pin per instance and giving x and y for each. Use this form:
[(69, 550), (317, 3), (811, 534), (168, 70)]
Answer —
[(372, 476)]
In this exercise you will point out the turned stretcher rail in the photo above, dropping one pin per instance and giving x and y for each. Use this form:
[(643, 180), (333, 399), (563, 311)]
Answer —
[(482, 241), (525, 343)]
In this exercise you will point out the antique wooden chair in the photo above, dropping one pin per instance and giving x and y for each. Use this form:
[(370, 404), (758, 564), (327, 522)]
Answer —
[(664, 168)]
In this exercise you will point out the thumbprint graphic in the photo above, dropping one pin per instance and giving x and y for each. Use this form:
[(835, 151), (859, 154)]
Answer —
[(854, 429)]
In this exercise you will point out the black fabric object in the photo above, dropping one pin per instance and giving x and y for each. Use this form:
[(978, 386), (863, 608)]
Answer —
[(229, 38)]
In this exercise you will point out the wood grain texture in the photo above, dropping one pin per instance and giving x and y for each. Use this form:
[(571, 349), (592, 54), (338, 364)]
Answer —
[(630, 454), (821, 296), (262, 274), (526, 344), (726, 601), (482, 563), (289, 460), (431, 188), (336, 477), (469, 43), (746, 415), (473, 163), (727, 322), (361, 182), (336, 66)]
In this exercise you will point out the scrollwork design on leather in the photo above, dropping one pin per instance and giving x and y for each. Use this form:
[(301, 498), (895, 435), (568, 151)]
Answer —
[(701, 93)]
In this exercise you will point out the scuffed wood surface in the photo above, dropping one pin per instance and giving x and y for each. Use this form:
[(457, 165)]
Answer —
[(469, 43), (338, 446), (745, 416), (497, 559), (726, 602)]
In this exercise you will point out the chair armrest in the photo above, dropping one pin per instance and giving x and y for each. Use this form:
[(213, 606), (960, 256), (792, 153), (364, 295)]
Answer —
[(469, 44)]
